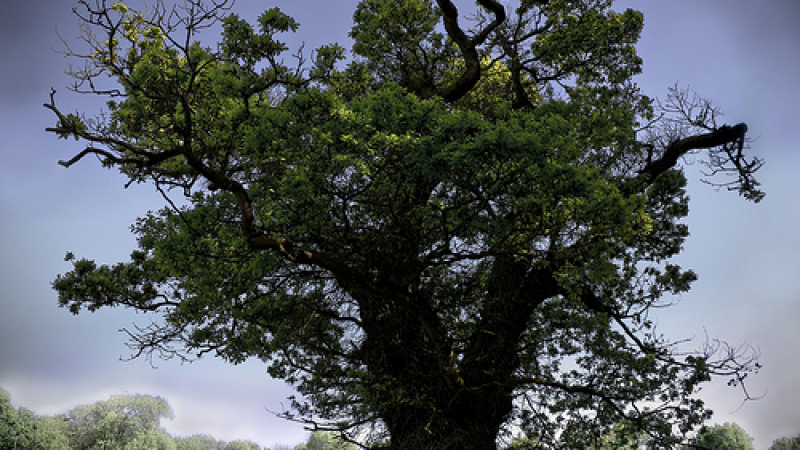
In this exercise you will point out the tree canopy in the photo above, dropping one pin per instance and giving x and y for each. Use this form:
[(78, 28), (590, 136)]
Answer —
[(129, 422), (325, 441), (786, 443), (458, 227), (727, 436), (123, 421)]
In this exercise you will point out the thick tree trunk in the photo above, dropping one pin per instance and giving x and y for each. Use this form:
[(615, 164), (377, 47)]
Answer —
[(419, 392), (452, 438), (471, 422), (427, 399)]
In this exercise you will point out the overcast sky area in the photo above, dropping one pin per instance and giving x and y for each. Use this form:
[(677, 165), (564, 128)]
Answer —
[(744, 55)]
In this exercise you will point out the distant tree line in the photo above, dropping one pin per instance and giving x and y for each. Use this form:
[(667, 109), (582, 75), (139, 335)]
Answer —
[(624, 436), (123, 422), (132, 422)]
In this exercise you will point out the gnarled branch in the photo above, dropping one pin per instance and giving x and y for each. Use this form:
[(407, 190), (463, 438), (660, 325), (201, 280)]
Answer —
[(725, 155), (468, 46)]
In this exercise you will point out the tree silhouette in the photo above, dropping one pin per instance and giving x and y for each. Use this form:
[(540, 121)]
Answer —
[(455, 231)]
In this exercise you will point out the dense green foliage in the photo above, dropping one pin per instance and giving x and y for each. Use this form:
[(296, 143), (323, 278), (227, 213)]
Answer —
[(443, 234)]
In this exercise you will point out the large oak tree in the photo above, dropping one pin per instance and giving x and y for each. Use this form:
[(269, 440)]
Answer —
[(456, 229)]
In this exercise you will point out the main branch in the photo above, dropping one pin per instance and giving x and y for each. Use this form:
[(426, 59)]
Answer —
[(725, 155), (468, 46)]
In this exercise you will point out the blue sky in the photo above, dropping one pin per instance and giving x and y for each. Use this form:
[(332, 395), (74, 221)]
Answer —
[(745, 56)]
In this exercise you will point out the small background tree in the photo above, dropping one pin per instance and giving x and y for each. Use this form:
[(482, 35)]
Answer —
[(727, 436), (786, 443)]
